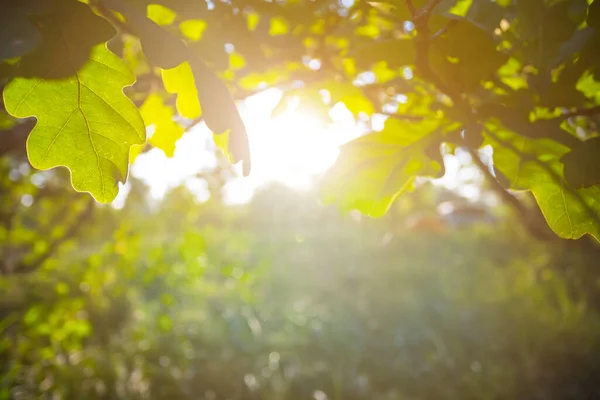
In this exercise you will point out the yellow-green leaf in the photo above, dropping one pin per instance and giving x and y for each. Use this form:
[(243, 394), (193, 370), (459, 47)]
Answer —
[(166, 131), (374, 169), (161, 14), (193, 29), (180, 81), (84, 122), (279, 26), (534, 164)]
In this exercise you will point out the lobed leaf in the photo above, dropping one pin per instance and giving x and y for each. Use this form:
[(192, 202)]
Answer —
[(373, 170), (535, 165), (84, 122)]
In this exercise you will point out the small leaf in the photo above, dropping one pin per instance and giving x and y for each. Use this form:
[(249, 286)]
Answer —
[(253, 19), (161, 14), (166, 131), (85, 122), (582, 164), (192, 29), (180, 81), (373, 170), (279, 26), (236, 61)]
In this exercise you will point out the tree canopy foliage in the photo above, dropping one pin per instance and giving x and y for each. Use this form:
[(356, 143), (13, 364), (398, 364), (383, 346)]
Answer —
[(519, 76)]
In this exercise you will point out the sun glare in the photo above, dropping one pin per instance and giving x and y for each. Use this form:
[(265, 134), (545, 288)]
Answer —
[(291, 148)]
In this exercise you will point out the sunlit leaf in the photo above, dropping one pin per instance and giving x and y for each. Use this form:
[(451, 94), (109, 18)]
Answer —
[(253, 19), (353, 97), (161, 15), (236, 61), (192, 29), (279, 26), (373, 170), (180, 81), (84, 123), (166, 130)]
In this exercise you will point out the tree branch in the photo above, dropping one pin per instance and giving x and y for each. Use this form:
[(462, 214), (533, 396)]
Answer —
[(426, 11), (411, 8)]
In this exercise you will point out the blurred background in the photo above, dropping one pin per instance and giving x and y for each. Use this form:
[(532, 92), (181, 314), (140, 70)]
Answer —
[(185, 290)]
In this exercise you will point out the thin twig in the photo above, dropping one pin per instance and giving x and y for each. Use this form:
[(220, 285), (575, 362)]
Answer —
[(585, 112), (411, 8)]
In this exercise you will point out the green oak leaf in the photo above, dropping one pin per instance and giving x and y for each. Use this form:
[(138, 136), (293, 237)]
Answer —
[(69, 33), (180, 81), (85, 122), (534, 164), (373, 170), (166, 131), (167, 51)]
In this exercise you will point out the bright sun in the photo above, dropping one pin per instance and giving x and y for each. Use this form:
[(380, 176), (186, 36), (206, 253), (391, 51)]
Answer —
[(290, 148)]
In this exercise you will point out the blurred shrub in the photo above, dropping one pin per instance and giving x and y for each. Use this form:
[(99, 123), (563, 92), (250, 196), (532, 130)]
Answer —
[(284, 299)]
